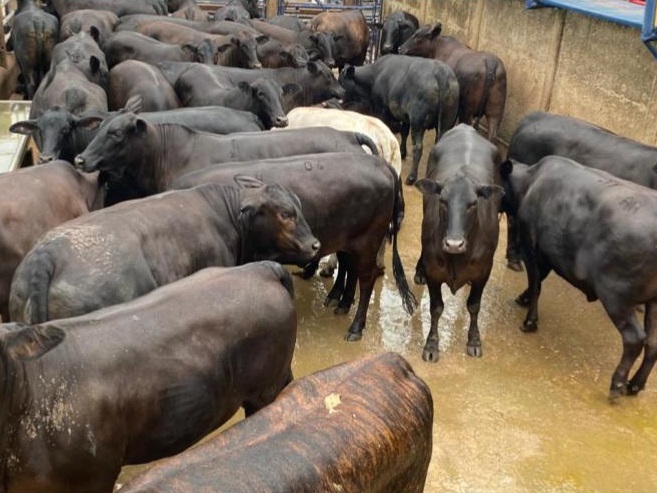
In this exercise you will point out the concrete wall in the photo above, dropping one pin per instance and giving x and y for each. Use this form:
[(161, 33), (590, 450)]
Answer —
[(556, 60)]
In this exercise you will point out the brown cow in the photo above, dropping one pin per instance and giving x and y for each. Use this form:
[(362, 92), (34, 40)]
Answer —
[(350, 35), (136, 78), (142, 380), (362, 426), (481, 75), (97, 23), (35, 200)]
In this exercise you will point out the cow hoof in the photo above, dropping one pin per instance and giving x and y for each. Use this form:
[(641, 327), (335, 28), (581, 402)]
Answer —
[(353, 336), (634, 388), (529, 326), (617, 390), (475, 351), (326, 272), (430, 355), (410, 179), (515, 265)]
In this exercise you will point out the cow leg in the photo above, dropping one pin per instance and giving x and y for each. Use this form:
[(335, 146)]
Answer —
[(405, 128), (430, 352), (420, 277), (638, 381), (417, 134), (329, 267), (367, 274), (512, 249), (474, 304), (349, 293), (309, 270), (633, 336), (337, 291), (523, 298), (533, 292)]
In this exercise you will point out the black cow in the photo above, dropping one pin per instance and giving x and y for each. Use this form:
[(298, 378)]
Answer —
[(60, 134), (292, 22), (481, 75), (119, 7), (460, 226), (276, 54), (300, 442), (134, 78), (33, 201), (152, 155), (315, 81), (129, 45), (596, 231), (97, 23), (541, 134), (83, 50), (66, 86), (397, 28), (427, 100), (349, 200), (142, 380), (34, 35), (116, 254)]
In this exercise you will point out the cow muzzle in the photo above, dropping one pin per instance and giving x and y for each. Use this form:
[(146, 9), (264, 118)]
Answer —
[(45, 158), (454, 245), (281, 121), (386, 48), (79, 162)]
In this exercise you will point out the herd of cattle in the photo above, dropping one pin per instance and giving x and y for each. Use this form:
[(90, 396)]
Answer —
[(164, 200)]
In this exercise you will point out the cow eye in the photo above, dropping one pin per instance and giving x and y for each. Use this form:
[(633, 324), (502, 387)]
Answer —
[(288, 215)]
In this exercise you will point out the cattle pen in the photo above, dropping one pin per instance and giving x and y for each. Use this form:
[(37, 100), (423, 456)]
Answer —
[(531, 414)]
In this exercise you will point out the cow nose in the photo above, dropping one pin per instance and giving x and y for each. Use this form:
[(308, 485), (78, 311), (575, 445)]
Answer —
[(281, 121), (454, 245), (78, 161), (45, 158), (386, 48), (316, 246), (257, 65)]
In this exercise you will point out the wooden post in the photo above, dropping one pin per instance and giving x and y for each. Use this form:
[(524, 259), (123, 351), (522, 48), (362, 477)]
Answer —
[(271, 8)]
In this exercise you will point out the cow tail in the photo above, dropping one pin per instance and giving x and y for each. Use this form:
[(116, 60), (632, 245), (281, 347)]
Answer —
[(408, 298), (39, 274), (283, 275), (366, 140), (491, 67)]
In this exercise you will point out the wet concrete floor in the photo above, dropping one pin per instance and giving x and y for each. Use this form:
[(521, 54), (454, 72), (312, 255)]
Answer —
[(532, 414)]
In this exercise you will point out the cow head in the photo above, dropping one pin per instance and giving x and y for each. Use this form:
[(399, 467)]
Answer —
[(422, 42), (265, 97), (52, 132), (322, 48), (353, 90), (396, 30), (321, 84), (120, 140), (458, 199), (246, 44), (273, 225), (205, 52)]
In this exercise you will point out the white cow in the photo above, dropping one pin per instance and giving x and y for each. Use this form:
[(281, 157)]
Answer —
[(375, 129)]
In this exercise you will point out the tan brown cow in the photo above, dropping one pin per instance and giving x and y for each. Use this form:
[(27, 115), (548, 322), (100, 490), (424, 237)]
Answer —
[(363, 426), (349, 32), (481, 75)]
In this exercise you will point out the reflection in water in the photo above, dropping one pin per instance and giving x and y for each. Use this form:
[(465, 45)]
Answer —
[(532, 414)]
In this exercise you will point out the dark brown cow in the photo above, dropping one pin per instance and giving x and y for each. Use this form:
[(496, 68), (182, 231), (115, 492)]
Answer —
[(276, 54), (33, 37), (362, 426), (142, 380), (397, 28), (333, 189), (35, 200), (136, 78), (460, 225), (481, 75), (116, 254), (349, 32)]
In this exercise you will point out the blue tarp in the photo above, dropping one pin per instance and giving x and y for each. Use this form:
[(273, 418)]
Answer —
[(618, 11)]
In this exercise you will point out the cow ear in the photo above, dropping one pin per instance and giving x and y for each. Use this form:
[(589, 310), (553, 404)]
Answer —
[(429, 187), (95, 33), (89, 122), (350, 71), (262, 39), (140, 126), (188, 48), (312, 67), (506, 168), (291, 88), (26, 127), (236, 41), (94, 63), (487, 191), (224, 47), (30, 342), (314, 38), (133, 104), (246, 181), (436, 30)]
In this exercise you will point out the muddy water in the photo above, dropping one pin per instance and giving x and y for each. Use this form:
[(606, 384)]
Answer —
[(532, 414)]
